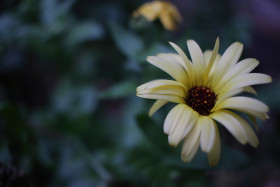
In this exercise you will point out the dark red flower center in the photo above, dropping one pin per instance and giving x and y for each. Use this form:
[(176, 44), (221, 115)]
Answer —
[(201, 99)]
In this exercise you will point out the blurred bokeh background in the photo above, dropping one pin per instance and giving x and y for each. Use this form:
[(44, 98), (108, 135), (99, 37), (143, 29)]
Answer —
[(68, 111)]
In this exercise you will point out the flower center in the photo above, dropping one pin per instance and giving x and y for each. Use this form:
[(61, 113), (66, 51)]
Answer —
[(201, 99)]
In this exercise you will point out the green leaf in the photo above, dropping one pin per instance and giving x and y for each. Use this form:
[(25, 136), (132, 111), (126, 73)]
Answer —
[(74, 99), (129, 43), (153, 132), (84, 32), (119, 90)]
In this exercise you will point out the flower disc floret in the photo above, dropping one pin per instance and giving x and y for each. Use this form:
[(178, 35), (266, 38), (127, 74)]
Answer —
[(201, 99)]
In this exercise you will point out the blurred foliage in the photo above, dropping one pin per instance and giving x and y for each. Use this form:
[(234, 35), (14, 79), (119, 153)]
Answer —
[(68, 111)]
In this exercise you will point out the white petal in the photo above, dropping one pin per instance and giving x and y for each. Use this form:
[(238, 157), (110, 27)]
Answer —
[(183, 127), (241, 68), (179, 60), (164, 90), (171, 117), (250, 89), (207, 136), (158, 83), (254, 121), (157, 105), (173, 58), (176, 60), (191, 143), (169, 98), (212, 59), (188, 157), (250, 79), (225, 95), (229, 58), (214, 154), (232, 124), (183, 56), (196, 54), (207, 57), (243, 104), (244, 66), (246, 80), (199, 65), (252, 138), (172, 69)]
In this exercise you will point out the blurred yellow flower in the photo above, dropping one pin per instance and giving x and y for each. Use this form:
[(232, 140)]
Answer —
[(205, 92), (166, 12)]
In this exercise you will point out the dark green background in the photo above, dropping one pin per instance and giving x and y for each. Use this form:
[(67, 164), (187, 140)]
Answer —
[(68, 111)]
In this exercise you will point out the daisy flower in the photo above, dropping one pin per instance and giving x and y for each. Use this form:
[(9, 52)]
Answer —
[(166, 12), (205, 91)]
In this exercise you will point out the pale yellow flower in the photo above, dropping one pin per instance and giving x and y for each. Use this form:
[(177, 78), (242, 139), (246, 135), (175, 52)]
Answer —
[(166, 12), (205, 92)]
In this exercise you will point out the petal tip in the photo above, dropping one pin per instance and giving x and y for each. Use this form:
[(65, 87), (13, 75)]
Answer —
[(172, 144), (213, 164), (185, 159), (255, 145)]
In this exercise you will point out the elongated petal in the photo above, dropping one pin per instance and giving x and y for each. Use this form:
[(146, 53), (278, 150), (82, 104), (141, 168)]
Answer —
[(254, 121), (208, 133), (231, 124), (225, 95), (214, 154), (158, 83), (241, 68), (246, 80), (178, 59), (229, 58), (187, 157), (191, 143), (183, 127), (164, 90), (250, 89), (212, 59), (173, 58), (172, 116), (173, 70), (243, 104), (252, 138), (207, 56), (183, 56), (162, 87), (250, 79), (157, 105), (196, 54), (246, 105), (244, 66), (199, 65), (169, 98)]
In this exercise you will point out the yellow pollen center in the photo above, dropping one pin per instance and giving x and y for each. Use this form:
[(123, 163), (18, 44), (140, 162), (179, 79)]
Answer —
[(201, 99)]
